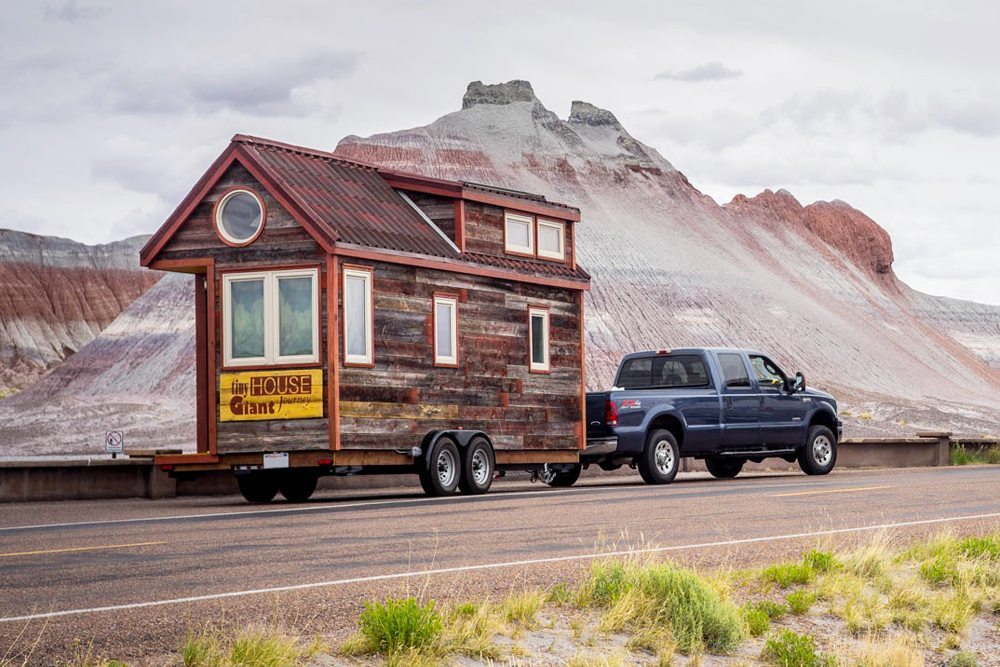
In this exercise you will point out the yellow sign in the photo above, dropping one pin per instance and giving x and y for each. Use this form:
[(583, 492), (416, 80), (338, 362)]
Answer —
[(255, 395)]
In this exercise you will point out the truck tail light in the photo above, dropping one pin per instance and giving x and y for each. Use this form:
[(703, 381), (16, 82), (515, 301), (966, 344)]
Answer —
[(324, 462), (610, 413)]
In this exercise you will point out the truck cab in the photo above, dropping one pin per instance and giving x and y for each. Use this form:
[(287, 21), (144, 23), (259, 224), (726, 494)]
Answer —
[(722, 405)]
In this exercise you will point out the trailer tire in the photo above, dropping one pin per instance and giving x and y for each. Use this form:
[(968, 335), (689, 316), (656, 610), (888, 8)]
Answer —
[(442, 469), (561, 478), (660, 459), (820, 453), (478, 467), (258, 487), (724, 468), (298, 487)]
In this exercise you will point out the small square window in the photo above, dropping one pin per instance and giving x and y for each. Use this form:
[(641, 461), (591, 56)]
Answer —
[(551, 239), (519, 235)]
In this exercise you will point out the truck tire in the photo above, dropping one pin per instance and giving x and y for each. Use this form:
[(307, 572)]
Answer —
[(820, 453), (561, 478), (724, 467), (478, 466), (258, 487), (660, 459), (442, 468), (298, 486)]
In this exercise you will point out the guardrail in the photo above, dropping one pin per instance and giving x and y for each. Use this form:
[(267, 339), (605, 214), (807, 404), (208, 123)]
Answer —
[(135, 476)]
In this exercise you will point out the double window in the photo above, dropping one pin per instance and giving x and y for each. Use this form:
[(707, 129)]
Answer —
[(538, 339), (270, 317), (522, 231)]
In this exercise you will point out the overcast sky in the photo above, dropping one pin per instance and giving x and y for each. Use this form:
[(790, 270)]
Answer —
[(111, 110)]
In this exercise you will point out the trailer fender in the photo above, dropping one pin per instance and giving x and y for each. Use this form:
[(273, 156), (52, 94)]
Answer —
[(461, 438)]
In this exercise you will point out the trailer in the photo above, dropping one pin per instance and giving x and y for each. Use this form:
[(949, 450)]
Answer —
[(351, 319)]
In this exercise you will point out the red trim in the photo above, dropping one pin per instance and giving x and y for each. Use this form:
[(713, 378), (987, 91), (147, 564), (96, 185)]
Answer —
[(180, 265), (371, 323), (265, 268), (312, 365), (434, 297), (454, 266), (332, 348), (213, 351), (201, 360), (460, 224), (217, 224), (582, 425), (548, 343)]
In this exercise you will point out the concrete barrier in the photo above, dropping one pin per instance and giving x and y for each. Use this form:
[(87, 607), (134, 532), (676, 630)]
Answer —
[(85, 478)]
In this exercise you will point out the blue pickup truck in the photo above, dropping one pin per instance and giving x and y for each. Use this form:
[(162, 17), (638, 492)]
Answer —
[(725, 406)]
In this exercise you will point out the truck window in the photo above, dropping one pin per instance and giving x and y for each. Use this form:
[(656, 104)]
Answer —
[(734, 373), (768, 374), (663, 372)]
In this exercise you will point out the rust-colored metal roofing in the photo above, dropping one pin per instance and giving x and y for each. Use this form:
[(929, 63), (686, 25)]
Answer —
[(537, 267), (348, 199)]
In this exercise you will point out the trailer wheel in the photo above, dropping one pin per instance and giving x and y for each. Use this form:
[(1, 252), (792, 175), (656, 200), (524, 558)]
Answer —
[(442, 469), (298, 487), (258, 487), (562, 478), (724, 468), (478, 466), (660, 459), (820, 453)]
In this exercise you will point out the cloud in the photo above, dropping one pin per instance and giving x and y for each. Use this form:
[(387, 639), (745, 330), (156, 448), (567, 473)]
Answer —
[(73, 12), (258, 87), (711, 71)]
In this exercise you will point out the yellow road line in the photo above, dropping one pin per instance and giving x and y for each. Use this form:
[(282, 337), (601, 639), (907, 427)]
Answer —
[(73, 549), (816, 493)]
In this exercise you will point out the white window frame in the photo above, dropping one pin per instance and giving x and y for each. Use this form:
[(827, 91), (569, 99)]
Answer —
[(541, 367), (271, 318), (520, 219), (561, 228), (368, 358), (452, 302)]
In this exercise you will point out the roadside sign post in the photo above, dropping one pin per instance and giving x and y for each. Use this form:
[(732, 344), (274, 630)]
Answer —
[(114, 443)]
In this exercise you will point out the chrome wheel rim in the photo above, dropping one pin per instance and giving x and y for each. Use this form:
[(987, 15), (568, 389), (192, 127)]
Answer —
[(480, 467), (548, 474), (446, 468), (822, 450), (664, 456)]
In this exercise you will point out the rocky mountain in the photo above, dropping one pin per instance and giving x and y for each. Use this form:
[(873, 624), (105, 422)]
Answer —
[(812, 284), (56, 295)]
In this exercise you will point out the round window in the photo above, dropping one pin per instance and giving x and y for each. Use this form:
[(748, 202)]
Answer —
[(239, 217)]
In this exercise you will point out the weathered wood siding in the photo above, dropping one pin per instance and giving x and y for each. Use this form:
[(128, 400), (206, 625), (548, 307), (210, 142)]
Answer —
[(484, 231), (285, 244), (441, 210), (404, 396)]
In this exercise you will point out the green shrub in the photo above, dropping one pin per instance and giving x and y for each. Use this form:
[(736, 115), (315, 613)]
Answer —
[(960, 456), (980, 547), (756, 620), (799, 602), (820, 561), (939, 570), (399, 625), (963, 659), (786, 574), (773, 609), (607, 582), (993, 455), (788, 649)]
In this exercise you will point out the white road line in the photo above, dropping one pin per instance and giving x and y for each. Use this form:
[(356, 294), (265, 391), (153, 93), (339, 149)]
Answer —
[(331, 506), (489, 566)]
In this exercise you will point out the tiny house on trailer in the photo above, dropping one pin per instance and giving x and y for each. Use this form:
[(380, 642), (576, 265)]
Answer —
[(355, 320)]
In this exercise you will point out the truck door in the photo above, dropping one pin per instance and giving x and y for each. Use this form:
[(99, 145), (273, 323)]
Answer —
[(740, 404), (781, 412)]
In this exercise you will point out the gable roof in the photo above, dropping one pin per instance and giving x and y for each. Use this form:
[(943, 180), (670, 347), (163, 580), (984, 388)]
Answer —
[(346, 201)]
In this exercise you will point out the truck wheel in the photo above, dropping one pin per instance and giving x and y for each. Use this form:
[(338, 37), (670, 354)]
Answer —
[(820, 453), (660, 459), (442, 469), (478, 466), (298, 487), (257, 487), (564, 477), (724, 468)]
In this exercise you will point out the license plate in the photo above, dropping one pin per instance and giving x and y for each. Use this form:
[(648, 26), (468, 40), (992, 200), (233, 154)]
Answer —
[(275, 460)]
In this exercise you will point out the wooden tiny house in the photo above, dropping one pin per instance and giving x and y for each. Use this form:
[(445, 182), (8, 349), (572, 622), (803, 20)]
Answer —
[(353, 319)]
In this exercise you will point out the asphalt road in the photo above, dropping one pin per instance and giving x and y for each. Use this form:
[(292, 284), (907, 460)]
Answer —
[(131, 578)]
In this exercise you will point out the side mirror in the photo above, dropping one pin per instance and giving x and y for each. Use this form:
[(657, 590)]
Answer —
[(800, 382)]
